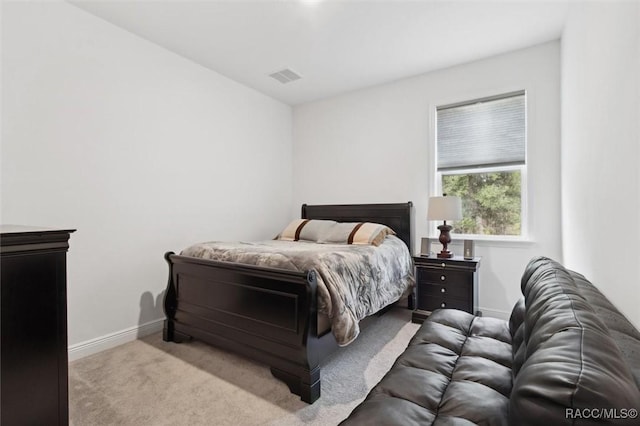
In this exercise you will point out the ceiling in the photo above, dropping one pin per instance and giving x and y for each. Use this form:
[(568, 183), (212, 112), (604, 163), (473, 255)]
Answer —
[(336, 46)]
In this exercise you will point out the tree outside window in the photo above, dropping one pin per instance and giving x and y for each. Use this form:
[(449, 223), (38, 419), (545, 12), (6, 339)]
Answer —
[(491, 202)]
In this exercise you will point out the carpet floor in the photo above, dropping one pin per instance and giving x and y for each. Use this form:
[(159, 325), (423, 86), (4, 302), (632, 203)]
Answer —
[(151, 382)]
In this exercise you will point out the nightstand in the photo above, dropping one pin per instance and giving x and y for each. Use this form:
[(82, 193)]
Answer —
[(445, 283)]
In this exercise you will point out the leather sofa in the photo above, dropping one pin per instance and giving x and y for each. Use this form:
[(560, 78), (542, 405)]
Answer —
[(566, 356)]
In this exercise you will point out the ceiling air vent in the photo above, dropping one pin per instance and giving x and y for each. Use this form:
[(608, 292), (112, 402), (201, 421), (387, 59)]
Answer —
[(285, 76)]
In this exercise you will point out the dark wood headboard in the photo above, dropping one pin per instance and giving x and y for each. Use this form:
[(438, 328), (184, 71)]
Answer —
[(395, 216)]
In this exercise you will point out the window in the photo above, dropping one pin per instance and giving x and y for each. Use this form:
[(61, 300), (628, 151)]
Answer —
[(481, 157)]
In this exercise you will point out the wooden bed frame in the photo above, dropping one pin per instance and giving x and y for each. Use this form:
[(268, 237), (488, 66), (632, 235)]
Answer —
[(266, 314)]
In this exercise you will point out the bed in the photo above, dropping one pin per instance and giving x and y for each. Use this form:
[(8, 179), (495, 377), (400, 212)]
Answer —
[(265, 313)]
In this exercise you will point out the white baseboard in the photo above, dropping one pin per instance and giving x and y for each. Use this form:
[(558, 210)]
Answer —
[(486, 312), (93, 346), (99, 344)]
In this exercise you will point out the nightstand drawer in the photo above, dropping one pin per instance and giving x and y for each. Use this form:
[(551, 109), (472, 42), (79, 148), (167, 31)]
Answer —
[(430, 276), (430, 303), (445, 290)]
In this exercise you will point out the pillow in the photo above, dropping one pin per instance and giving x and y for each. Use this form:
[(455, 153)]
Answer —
[(306, 229), (363, 233), (315, 229)]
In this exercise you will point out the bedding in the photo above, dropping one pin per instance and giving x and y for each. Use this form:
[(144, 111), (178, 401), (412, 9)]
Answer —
[(354, 281)]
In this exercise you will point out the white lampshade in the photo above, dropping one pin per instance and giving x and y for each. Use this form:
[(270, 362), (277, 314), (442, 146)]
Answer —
[(445, 208)]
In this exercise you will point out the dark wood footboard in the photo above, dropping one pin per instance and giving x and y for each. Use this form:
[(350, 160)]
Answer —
[(267, 314)]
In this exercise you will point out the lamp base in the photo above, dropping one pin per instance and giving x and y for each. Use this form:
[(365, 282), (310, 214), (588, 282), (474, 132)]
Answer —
[(445, 239), (445, 254)]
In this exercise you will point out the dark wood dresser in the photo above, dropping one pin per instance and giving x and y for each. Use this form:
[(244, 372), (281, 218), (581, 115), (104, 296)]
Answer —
[(33, 340), (445, 283)]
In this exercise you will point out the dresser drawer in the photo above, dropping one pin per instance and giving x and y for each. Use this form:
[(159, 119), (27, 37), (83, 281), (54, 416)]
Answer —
[(446, 290)]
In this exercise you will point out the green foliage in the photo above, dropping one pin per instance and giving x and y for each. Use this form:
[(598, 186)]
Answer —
[(490, 202)]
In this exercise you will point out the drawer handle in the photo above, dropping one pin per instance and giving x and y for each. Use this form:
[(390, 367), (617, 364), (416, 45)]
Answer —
[(444, 265), (442, 278), (442, 290), (442, 305)]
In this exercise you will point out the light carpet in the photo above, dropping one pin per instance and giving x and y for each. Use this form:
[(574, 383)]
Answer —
[(151, 382)]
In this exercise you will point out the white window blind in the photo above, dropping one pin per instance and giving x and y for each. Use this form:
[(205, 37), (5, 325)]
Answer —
[(483, 133)]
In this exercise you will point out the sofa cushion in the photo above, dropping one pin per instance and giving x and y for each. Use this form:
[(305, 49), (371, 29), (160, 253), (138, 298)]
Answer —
[(456, 370), (570, 364), (516, 326)]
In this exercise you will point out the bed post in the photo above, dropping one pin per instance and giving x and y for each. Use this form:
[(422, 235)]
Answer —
[(411, 300), (169, 305), (169, 333), (306, 379)]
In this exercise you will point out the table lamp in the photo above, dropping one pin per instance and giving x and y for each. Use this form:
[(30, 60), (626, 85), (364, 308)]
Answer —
[(444, 208)]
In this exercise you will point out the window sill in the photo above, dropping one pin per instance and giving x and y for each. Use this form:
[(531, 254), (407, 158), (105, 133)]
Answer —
[(488, 241)]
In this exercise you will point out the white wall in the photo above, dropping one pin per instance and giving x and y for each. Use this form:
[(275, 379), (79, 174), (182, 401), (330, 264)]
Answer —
[(139, 149), (373, 145), (601, 148)]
